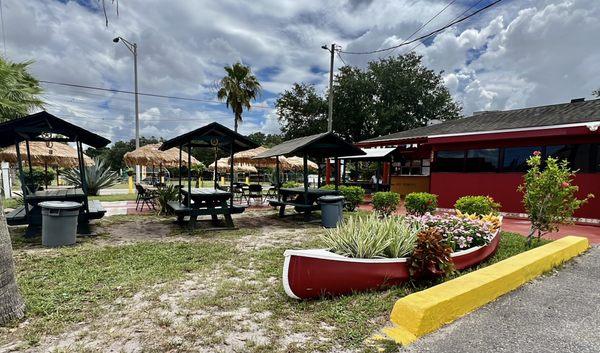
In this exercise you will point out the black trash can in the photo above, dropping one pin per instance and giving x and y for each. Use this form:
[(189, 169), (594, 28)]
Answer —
[(332, 210), (59, 222)]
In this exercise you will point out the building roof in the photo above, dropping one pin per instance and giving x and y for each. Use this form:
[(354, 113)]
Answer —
[(321, 145), (580, 112), (208, 136), (31, 127), (375, 153)]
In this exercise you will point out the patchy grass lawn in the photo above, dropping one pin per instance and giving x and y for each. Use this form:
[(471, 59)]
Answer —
[(189, 291)]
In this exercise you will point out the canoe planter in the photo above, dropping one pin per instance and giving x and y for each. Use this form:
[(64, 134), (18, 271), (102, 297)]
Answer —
[(316, 272)]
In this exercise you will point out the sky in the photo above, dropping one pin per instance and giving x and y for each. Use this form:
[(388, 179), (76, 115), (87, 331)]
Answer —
[(519, 53)]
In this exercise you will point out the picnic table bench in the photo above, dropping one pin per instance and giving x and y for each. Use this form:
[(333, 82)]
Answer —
[(205, 202), (303, 202)]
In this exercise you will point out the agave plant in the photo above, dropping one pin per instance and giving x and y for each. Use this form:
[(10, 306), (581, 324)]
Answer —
[(99, 176), (164, 195), (373, 237)]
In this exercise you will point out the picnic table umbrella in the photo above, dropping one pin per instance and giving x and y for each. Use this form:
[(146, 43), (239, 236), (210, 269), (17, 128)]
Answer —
[(150, 156), (44, 153)]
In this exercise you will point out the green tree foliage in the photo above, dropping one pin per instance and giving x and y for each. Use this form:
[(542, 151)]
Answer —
[(113, 155), (268, 140), (549, 196), (390, 95), (19, 90), (238, 89), (301, 111)]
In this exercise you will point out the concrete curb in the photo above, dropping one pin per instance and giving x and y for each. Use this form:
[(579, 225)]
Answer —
[(424, 312)]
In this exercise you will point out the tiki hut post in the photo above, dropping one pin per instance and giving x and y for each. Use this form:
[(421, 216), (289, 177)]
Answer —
[(22, 177), (84, 185), (215, 172), (277, 183), (189, 174), (29, 162), (337, 172), (180, 150), (230, 171), (305, 160), (46, 175)]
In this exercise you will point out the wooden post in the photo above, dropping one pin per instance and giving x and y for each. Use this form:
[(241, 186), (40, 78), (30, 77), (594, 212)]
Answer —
[(215, 171), (180, 157), (377, 175), (231, 172), (305, 161), (22, 179), (277, 182), (45, 175), (82, 175), (189, 198), (319, 173), (337, 173), (29, 164), (327, 171)]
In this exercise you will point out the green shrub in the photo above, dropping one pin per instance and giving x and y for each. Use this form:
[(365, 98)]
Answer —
[(38, 177), (371, 237), (291, 184), (386, 202), (419, 203), (549, 196), (164, 195), (478, 205), (431, 255), (99, 176), (354, 195)]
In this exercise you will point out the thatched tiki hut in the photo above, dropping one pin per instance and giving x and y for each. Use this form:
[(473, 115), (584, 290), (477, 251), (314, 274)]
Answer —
[(151, 156), (44, 154)]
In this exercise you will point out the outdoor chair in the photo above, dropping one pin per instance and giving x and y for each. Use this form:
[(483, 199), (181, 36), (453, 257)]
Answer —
[(238, 190), (144, 197), (254, 191)]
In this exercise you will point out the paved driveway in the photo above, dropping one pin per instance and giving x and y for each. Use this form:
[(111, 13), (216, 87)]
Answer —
[(556, 313)]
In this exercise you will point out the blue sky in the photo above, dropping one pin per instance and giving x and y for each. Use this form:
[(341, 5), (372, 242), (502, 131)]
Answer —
[(518, 54)]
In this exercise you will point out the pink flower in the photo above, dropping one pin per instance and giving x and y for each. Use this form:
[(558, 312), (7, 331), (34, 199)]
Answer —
[(565, 184), (537, 153)]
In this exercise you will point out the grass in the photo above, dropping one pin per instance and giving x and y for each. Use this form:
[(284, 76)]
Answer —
[(77, 284)]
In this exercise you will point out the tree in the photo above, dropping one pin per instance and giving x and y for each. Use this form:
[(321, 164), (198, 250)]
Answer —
[(237, 89), (113, 156), (301, 111), (19, 90), (18, 95), (269, 140), (390, 95), (549, 196)]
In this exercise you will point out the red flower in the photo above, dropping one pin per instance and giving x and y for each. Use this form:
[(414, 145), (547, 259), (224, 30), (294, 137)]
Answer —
[(536, 153), (565, 184)]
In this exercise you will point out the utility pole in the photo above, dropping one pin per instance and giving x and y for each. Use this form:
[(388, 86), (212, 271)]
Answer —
[(133, 49), (330, 112)]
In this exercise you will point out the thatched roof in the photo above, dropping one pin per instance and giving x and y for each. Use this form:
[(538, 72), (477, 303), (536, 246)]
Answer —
[(223, 167), (248, 157), (297, 164), (150, 155), (60, 154)]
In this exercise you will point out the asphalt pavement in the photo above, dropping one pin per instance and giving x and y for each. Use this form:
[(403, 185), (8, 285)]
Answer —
[(559, 312)]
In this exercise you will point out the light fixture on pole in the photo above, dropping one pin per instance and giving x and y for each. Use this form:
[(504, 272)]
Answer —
[(332, 51), (133, 49)]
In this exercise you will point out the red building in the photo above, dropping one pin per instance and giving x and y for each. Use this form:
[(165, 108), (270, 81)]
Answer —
[(485, 154)]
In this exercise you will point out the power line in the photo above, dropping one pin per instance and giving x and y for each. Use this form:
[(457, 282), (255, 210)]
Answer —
[(142, 94), (426, 35), (426, 23), (342, 59), (455, 18)]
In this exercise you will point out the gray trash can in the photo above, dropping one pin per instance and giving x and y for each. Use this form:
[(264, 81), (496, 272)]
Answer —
[(332, 210), (59, 222)]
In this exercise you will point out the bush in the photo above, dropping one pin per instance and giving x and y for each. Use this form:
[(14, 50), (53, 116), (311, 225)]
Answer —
[(38, 177), (477, 205), (371, 237), (431, 255), (549, 196), (386, 202), (99, 176), (291, 184), (354, 195), (419, 203), (164, 195)]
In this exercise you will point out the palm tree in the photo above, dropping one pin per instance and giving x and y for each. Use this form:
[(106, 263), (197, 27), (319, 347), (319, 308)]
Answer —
[(18, 95), (237, 89), (18, 90)]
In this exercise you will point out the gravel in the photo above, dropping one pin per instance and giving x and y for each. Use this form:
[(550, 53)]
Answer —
[(559, 312)]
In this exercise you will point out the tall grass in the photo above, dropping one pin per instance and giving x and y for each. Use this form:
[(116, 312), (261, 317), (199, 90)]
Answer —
[(373, 237)]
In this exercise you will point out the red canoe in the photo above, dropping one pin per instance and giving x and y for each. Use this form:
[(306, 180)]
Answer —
[(317, 272)]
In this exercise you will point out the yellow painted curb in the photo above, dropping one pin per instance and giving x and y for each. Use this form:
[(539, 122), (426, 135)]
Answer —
[(423, 312)]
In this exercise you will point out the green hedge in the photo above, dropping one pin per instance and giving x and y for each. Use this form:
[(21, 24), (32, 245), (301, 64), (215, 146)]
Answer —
[(479, 205), (386, 202), (419, 203)]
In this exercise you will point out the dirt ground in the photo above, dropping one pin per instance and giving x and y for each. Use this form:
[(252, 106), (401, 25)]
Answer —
[(237, 306)]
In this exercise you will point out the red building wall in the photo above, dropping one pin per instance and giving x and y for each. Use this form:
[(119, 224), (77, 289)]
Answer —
[(503, 188)]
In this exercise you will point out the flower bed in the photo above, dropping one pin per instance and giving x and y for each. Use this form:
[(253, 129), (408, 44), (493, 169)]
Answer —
[(464, 240)]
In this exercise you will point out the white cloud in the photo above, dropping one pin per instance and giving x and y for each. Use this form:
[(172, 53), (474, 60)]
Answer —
[(518, 54)]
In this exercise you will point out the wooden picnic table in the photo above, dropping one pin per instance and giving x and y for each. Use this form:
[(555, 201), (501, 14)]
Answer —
[(301, 200), (203, 202)]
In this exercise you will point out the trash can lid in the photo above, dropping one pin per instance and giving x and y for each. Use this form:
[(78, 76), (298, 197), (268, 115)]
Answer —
[(60, 205), (331, 199)]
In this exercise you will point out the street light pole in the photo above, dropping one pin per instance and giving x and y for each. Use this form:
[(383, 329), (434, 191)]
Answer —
[(133, 49), (330, 110)]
